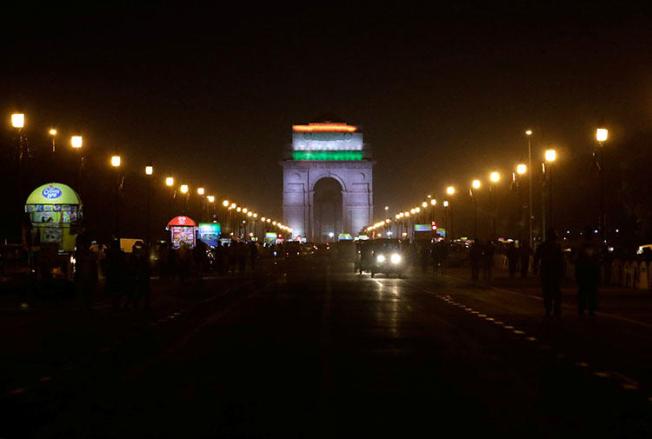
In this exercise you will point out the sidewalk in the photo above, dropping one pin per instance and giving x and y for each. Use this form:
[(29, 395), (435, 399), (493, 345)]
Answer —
[(625, 302)]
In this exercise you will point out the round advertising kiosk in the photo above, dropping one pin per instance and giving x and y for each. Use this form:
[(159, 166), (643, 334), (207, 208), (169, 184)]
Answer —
[(182, 231), (55, 212)]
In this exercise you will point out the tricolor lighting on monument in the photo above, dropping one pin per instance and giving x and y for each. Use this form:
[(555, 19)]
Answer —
[(326, 141)]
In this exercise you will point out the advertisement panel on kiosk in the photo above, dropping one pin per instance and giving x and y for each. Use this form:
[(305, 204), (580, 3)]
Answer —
[(55, 212), (182, 232)]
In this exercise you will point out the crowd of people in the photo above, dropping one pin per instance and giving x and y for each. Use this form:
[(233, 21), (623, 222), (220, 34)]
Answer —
[(127, 274)]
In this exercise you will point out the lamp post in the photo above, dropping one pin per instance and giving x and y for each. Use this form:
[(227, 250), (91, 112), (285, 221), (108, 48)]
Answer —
[(494, 179), (601, 136), (550, 156), (520, 170), (116, 162), (185, 191), (52, 132), (77, 143), (528, 133), (450, 191), (475, 186), (149, 172)]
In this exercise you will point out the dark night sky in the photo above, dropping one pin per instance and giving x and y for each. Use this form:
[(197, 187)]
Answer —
[(442, 93)]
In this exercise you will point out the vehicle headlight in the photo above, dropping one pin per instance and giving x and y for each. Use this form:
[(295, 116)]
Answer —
[(395, 258), (380, 259)]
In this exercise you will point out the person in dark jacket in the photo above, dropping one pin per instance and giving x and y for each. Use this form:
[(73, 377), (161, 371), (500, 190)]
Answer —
[(587, 275), (524, 255), (551, 270), (512, 259), (475, 254)]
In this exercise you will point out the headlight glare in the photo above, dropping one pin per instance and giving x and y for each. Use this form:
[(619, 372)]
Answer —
[(395, 258), (380, 259)]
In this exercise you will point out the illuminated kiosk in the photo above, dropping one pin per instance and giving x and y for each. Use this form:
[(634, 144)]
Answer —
[(55, 212), (183, 230), (327, 181)]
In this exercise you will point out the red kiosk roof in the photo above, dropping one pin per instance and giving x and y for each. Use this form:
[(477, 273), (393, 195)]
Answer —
[(182, 221)]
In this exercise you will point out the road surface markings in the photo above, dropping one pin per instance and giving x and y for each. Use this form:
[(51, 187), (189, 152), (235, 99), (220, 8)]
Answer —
[(625, 382)]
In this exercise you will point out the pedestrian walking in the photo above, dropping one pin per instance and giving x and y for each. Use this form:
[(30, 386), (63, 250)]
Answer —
[(488, 251), (587, 275), (475, 254), (525, 252), (551, 271), (512, 259), (115, 273)]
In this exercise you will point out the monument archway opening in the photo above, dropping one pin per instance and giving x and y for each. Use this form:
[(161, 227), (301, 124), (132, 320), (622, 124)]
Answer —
[(327, 207)]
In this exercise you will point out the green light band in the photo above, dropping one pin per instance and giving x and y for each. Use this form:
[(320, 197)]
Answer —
[(327, 155)]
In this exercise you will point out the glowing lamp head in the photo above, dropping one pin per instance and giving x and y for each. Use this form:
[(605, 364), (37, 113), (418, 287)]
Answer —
[(210, 198), (521, 169), (417, 209), (184, 188), (550, 155), (450, 190), (528, 132), (201, 191), (263, 219), (433, 202), (76, 142), (52, 132), (273, 223), (238, 209), (245, 210), (255, 215), (18, 120), (601, 134), (476, 184), (225, 203), (424, 204), (269, 220), (116, 161), (445, 203), (233, 206), (149, 170), (250, 214), (169, 181), (494, 176)]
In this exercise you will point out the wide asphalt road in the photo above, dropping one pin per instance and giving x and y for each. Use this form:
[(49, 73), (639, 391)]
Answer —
[(321, 352)]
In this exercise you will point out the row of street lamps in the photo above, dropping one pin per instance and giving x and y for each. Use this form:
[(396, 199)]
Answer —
[(18, 122), (550, 156)]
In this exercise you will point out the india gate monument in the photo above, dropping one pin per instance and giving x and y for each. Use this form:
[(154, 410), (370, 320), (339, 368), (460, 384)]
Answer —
[(327, 182)]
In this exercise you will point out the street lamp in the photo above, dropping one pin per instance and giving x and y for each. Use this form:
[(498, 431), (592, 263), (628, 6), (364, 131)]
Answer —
[(450, 190), (76, 142), (184, 189), (201, 191), (18, 121), (169, 181), (210, 198), (494, 178), (115, 162), (149, 171), (528, 133), (550, 156), (225, 203), (53, 134), (521, 169), (601, 136), (475, 185)]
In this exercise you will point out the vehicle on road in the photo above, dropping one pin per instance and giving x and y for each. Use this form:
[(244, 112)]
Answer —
[(387, 257)]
